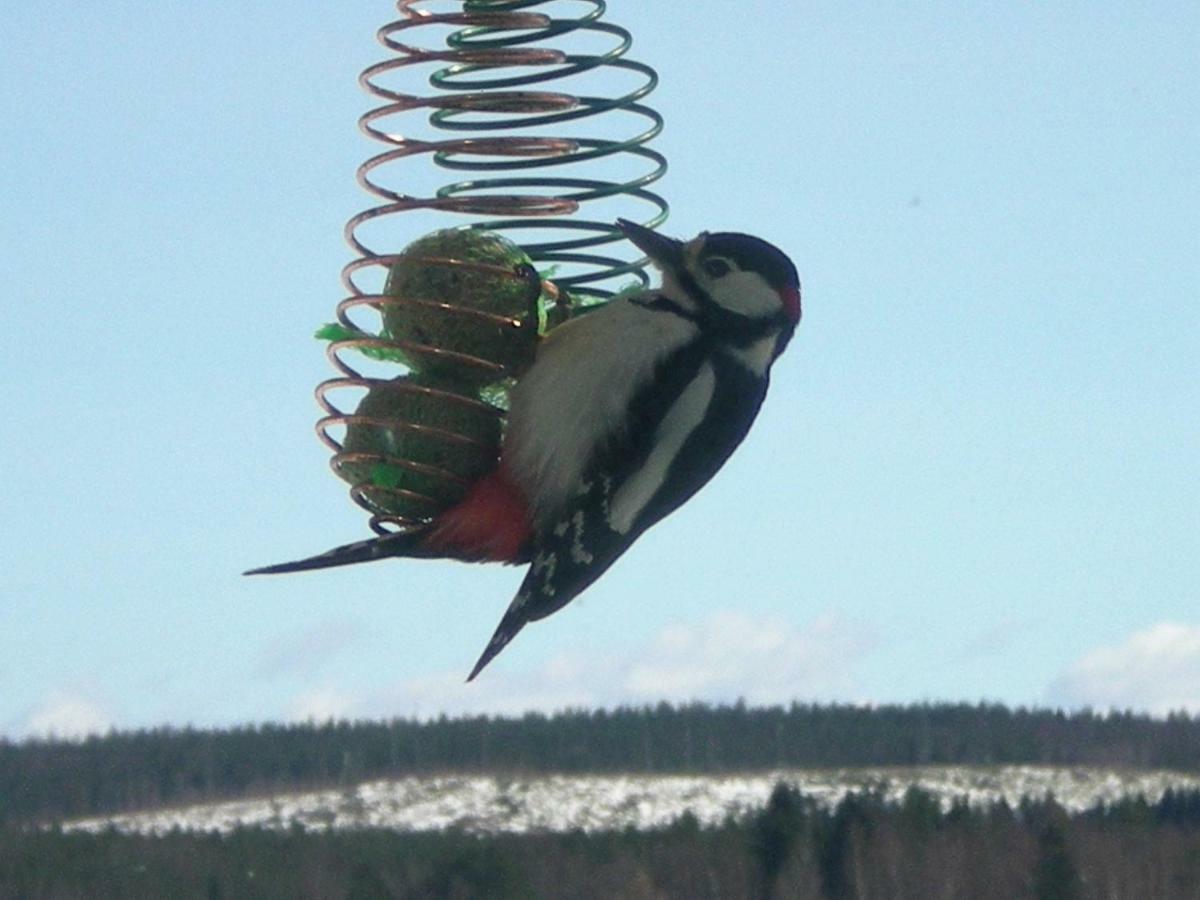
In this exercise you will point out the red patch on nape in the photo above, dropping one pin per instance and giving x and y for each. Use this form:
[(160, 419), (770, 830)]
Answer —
[(791, 302), (491, 524)]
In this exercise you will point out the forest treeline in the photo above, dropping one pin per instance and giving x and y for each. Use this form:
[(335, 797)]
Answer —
[(864, 847), (48, 780)]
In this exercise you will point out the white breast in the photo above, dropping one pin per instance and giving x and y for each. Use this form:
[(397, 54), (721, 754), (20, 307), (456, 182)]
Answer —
[(577, 393)]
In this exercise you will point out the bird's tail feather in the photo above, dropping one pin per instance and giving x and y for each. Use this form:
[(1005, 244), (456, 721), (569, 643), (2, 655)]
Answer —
[(514, 620), (402, 543)]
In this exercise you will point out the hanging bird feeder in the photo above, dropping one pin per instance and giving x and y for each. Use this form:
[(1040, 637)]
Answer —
[(434, 328)]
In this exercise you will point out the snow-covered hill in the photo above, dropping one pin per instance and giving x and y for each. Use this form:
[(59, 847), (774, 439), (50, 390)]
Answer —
[(489, 804)]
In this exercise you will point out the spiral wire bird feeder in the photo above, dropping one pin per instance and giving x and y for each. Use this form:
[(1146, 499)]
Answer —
[(496, 118)]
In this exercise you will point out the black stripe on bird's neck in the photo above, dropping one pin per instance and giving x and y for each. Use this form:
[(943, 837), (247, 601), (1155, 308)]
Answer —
[(721, 324), (660, 302), (717, 324)]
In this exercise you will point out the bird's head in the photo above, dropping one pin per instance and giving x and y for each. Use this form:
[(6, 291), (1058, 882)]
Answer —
[(737, 283)]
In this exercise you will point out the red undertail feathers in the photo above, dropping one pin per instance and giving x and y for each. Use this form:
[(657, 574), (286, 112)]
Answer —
[(491, 524)]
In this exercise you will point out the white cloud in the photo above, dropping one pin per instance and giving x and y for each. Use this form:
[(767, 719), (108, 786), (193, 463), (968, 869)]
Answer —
[(1156, 670), (322, 705), (506, 693), (66, 716), (728, 656), (732, 655)]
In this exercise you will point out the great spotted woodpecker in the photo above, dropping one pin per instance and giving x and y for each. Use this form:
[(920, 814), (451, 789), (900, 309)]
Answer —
[(626, 412)]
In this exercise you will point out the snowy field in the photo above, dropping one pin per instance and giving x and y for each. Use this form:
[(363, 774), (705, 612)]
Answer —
[(490, 804)]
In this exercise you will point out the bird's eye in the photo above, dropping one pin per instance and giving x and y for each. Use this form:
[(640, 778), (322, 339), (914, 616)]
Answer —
[(715, 267)]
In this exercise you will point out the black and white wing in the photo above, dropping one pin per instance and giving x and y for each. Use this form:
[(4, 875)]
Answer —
[(683, 426)]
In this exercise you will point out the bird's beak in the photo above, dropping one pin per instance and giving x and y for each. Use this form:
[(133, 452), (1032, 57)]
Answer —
[(664, 252)]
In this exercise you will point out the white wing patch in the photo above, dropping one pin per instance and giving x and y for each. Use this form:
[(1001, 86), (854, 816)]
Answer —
[(679, 422), (542, 562), (577, 394), (579, 553)]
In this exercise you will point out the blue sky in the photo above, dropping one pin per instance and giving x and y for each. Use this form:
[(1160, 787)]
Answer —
[(975, 476)]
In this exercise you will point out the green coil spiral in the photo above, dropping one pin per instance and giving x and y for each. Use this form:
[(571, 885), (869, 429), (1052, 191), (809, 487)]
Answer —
[(537, 112)]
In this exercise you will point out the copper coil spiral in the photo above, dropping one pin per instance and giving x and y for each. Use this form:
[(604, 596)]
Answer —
[(492, 75)]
